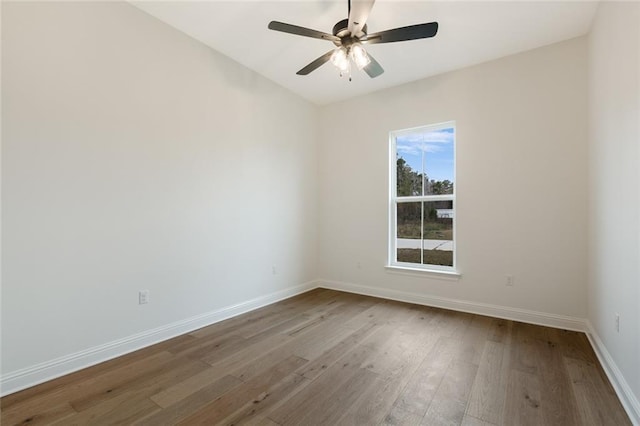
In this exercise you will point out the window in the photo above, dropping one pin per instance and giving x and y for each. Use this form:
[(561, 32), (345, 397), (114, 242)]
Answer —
[(422, 198)]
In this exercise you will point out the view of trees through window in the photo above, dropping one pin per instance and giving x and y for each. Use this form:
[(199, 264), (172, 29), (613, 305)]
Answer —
[(424, 199)]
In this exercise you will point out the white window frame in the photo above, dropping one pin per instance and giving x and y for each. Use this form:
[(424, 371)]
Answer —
[(394, 199)]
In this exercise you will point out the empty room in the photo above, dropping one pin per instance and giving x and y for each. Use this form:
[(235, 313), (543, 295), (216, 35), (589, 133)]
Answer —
[(320, 213)]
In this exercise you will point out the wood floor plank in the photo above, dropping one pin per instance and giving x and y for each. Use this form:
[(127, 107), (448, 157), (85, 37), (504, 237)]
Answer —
[(373, 404), (331, 356), (596, 404), (404, 349), (451, 324), (309, 346), (472, 421), (123, 409), (329, 410), (327, 357), (45, 416), (246, 354), (524, 355), (220, 354), (523, 402), (271, 339), (268, 399), (197, 348), (185, 388), (452, 396), (474, 338), (482, 322), (400, 417), (557, 399), (573, 345), (189, 402), (379, 313), (147, 384), (308, 315), (395, 365), (295, 409), (500, 330), (61, 385), (285, 307), (100, 383), (308, 343), (417, 396), (235, 399), (343, 370), (259, 421), (230, 325), (489, 388)]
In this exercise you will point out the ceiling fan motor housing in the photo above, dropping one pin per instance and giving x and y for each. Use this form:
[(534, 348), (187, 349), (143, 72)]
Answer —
[(341, 29)]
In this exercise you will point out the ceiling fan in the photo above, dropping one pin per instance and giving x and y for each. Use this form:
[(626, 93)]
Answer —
[(350, 34)]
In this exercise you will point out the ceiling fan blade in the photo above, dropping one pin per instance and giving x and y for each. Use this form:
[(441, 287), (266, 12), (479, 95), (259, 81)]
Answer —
[(412, 32), (373, 69), (301, 31), (316, 64), (358, 13)]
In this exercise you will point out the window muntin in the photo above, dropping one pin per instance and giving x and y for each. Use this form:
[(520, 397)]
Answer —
[(422, 199)]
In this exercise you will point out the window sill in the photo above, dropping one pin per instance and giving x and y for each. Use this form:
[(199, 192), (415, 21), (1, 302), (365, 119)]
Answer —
[(418, 272)]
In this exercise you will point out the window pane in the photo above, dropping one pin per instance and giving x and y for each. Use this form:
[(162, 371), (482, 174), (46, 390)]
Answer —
[(438, 233), (438, 161), (409, 232), (424, 162)]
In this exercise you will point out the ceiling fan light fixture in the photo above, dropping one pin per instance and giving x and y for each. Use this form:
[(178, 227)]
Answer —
[(359, 56), (340, 59)]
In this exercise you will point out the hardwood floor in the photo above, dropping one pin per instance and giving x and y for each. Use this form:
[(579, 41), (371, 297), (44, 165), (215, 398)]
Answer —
[(333, 358)]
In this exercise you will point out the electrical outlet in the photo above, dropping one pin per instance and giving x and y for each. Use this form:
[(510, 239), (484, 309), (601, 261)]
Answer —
[(143, 297), (617, 318), (510, 281)]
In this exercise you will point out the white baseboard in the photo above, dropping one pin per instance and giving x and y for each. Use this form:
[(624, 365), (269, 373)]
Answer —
[(625, 394), (515, 314), (33, 375)]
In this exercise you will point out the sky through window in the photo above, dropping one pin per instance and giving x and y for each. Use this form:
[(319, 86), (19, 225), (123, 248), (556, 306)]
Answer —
[(438, 148)]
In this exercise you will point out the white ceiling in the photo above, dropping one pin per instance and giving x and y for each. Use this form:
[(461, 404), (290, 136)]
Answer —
[(470, 32)]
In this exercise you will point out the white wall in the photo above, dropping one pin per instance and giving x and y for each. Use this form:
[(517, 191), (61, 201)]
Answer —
[(614, 186), (137, 158), (521, 181)]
